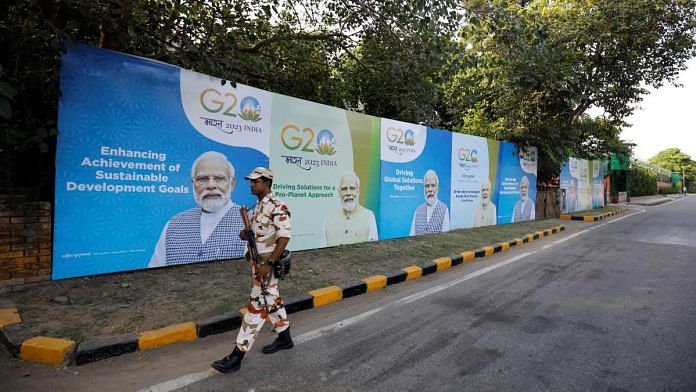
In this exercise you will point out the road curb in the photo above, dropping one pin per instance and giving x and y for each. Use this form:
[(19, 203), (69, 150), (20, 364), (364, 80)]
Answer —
[(326, 295), (102, 347), (374, 283), (299, 303), (13, 336), (218, 324), (60, 351), (9, 316), (183, 332), (47, 350), (653, 203), (592, 218)]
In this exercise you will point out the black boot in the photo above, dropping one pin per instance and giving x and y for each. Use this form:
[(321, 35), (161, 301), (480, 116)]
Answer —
[(230, 362), (282, 342)]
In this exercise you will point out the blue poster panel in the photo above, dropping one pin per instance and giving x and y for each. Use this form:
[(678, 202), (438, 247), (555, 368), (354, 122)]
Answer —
[(597, 184), (569, 186), (150, 163), (474, 167), (415, 179), (517, 180), (583, 184)]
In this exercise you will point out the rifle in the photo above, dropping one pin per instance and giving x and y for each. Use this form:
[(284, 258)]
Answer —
[(254, 253)]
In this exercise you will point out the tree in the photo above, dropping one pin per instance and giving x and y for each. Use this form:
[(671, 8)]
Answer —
[(405, 60), (643, 181), (326, 51), (522, 71), (528, 71), (671, 159), (675, 160)]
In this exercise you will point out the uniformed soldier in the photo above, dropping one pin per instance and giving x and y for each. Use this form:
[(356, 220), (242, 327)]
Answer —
[(271, 225)]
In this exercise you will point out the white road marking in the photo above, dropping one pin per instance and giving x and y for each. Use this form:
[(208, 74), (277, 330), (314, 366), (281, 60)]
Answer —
[(180, 382), (626, 216), (317, 333), (570, 236), (188, 379), (445, 286)]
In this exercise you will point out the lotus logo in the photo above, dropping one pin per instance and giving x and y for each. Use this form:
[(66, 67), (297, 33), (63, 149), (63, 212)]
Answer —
[(249, 109), (409, 138), (474, 156), (326, 144)]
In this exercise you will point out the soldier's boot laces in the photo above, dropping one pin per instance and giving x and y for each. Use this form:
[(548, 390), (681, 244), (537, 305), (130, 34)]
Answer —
[(282, 342), (231, 362)]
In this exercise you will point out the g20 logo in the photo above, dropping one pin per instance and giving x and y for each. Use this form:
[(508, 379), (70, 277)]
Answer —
[(399, 136), (294, 138), (468, 155), (214, 101)]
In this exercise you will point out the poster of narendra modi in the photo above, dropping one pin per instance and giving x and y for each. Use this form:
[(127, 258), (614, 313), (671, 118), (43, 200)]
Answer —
[(415, 175), (326, 164), (150, 163)]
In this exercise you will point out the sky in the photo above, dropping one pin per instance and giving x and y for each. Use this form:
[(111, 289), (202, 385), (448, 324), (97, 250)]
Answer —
[(666, 118)]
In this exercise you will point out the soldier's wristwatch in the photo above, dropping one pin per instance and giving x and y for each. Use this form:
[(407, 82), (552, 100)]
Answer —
[(270, 262)]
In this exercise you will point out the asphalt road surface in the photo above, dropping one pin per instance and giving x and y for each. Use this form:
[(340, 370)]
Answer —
[(605, 306)]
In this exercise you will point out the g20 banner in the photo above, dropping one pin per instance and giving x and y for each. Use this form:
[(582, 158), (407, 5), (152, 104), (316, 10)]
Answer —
[(148, 163), (326, 161), (517, 172), (583, 182), (151, 159), (474, 168), (415, 185), (597, 183)]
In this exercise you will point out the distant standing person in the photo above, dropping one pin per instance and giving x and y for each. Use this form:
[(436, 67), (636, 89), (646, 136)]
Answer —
[(524, 207), (271, 225), (433, 215)]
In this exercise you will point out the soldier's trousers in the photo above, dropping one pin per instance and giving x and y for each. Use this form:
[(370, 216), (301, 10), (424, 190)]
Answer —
[(256, 314)]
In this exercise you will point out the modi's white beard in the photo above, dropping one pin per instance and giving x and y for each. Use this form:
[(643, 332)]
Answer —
[(211, 205), (523, 198), (349, 205), (431, 200)]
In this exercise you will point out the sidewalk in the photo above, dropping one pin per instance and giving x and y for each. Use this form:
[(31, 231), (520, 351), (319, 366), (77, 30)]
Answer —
[(149, 299), (654, 200), (133, 302)]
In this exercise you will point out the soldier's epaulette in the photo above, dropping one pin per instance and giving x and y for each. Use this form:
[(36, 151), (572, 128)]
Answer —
[(277, 202), (274, 199)]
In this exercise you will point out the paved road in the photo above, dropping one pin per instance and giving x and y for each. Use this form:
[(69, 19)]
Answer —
[(609, 307)]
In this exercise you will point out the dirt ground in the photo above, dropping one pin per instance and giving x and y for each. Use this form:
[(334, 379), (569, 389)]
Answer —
[(143, 300)]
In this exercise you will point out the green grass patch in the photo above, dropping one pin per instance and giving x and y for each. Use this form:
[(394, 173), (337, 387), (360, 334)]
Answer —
[(149, 299)]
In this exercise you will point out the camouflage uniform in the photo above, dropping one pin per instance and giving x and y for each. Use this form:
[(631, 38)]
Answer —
[(271, 220)]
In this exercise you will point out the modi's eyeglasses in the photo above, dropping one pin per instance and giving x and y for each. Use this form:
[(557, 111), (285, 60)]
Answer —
[(203, 180)]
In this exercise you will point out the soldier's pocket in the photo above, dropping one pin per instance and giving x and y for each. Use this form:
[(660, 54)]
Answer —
[(264, 219)]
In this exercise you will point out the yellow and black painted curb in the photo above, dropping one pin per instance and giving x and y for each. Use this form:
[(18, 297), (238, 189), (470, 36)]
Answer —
[(592, 218), (59, 351)]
